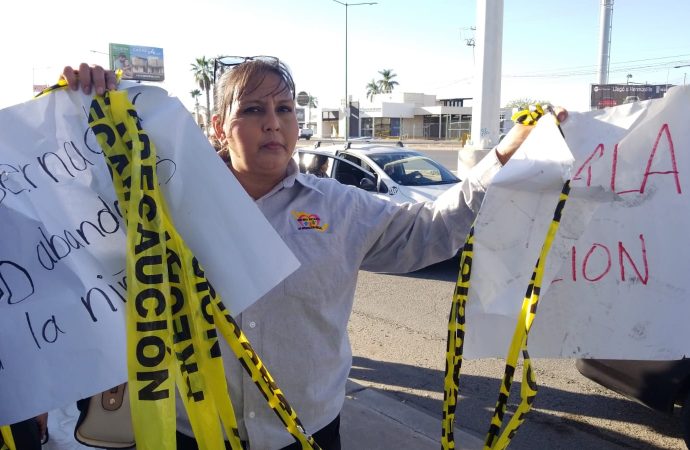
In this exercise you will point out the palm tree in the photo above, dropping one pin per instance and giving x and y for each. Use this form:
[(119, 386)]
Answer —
[(312, 103), (386, 84), (196, 93), (372, 89), (203, 75)]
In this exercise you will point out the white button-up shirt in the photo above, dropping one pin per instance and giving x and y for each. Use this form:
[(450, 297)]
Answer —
[(299, 328)]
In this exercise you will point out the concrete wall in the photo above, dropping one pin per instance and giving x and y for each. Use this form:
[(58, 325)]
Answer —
[(397, 110), (418, 99)]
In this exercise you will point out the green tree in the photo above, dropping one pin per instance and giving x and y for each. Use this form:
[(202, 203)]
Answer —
[(203, 75), (196, 93), (372, 89), (386, 83), (524, 103)]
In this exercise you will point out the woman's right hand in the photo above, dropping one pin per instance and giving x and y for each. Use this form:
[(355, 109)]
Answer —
[(517, 135), (90, 77)]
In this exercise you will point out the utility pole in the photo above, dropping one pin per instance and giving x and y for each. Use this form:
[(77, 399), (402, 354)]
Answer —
[(487, 77), (605, 16)]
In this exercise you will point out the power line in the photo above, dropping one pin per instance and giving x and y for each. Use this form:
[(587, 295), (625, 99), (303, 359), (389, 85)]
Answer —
[(664, 62)]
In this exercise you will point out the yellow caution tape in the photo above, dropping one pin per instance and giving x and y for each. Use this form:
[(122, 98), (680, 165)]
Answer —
[(456, 331), (528, 116), (456, 340), (62, 84), (531, 114), (173, 310), (528, 389), (7, 439)]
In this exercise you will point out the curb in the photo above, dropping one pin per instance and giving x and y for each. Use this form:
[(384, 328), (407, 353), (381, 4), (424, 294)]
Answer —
[(375, 421)]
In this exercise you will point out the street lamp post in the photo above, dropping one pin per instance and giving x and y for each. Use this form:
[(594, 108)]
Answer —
[(102, 53), (685, 74), (347, 103)]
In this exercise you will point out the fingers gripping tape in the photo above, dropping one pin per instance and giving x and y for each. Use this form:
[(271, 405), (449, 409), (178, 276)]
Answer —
[(62, 84)]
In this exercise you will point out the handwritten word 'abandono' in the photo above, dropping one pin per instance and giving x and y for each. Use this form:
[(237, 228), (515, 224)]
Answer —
[(52, 248)]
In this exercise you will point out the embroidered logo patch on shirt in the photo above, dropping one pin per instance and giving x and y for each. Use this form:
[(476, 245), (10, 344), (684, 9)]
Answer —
[(308, 221)]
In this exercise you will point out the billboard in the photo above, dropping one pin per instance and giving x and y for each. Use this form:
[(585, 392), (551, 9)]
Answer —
[(137, 62), (604, 95)]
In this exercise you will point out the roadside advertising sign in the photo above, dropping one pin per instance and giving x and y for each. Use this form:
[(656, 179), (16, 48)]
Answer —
[(605, 95), (137, 62)]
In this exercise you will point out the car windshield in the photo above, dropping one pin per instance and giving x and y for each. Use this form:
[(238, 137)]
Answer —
[(413, 169)]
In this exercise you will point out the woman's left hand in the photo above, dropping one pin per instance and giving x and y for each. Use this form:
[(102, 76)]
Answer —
[(90, 77), (517, 135)]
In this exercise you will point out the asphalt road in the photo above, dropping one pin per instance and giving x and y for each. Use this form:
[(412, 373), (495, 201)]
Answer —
[(449, 158), (398, 333)]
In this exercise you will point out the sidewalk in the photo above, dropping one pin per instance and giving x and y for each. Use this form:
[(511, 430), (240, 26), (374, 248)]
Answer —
[(374, 421), (370, 420)]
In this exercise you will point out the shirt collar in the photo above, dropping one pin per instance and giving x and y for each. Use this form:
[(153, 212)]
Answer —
[(293, 175)]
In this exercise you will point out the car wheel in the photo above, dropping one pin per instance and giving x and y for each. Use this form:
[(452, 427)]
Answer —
[(308, 137), (685, 420)]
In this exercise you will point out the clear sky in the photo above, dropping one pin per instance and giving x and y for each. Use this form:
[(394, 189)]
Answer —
[(550, 47)]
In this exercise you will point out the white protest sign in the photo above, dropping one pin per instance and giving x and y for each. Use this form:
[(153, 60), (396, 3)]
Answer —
[(523, 190), (62, 253), (615, 283)]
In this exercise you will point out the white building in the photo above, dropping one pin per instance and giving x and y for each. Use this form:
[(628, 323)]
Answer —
[(405, 115)]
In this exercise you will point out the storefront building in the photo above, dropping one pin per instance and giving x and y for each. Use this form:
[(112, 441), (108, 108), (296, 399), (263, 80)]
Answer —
[(405, 115)]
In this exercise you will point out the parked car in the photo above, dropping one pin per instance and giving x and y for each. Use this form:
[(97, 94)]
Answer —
[(306, 133), (392, 172), (659, 385)]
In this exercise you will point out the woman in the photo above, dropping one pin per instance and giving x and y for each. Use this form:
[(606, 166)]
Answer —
[(299, 328)]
